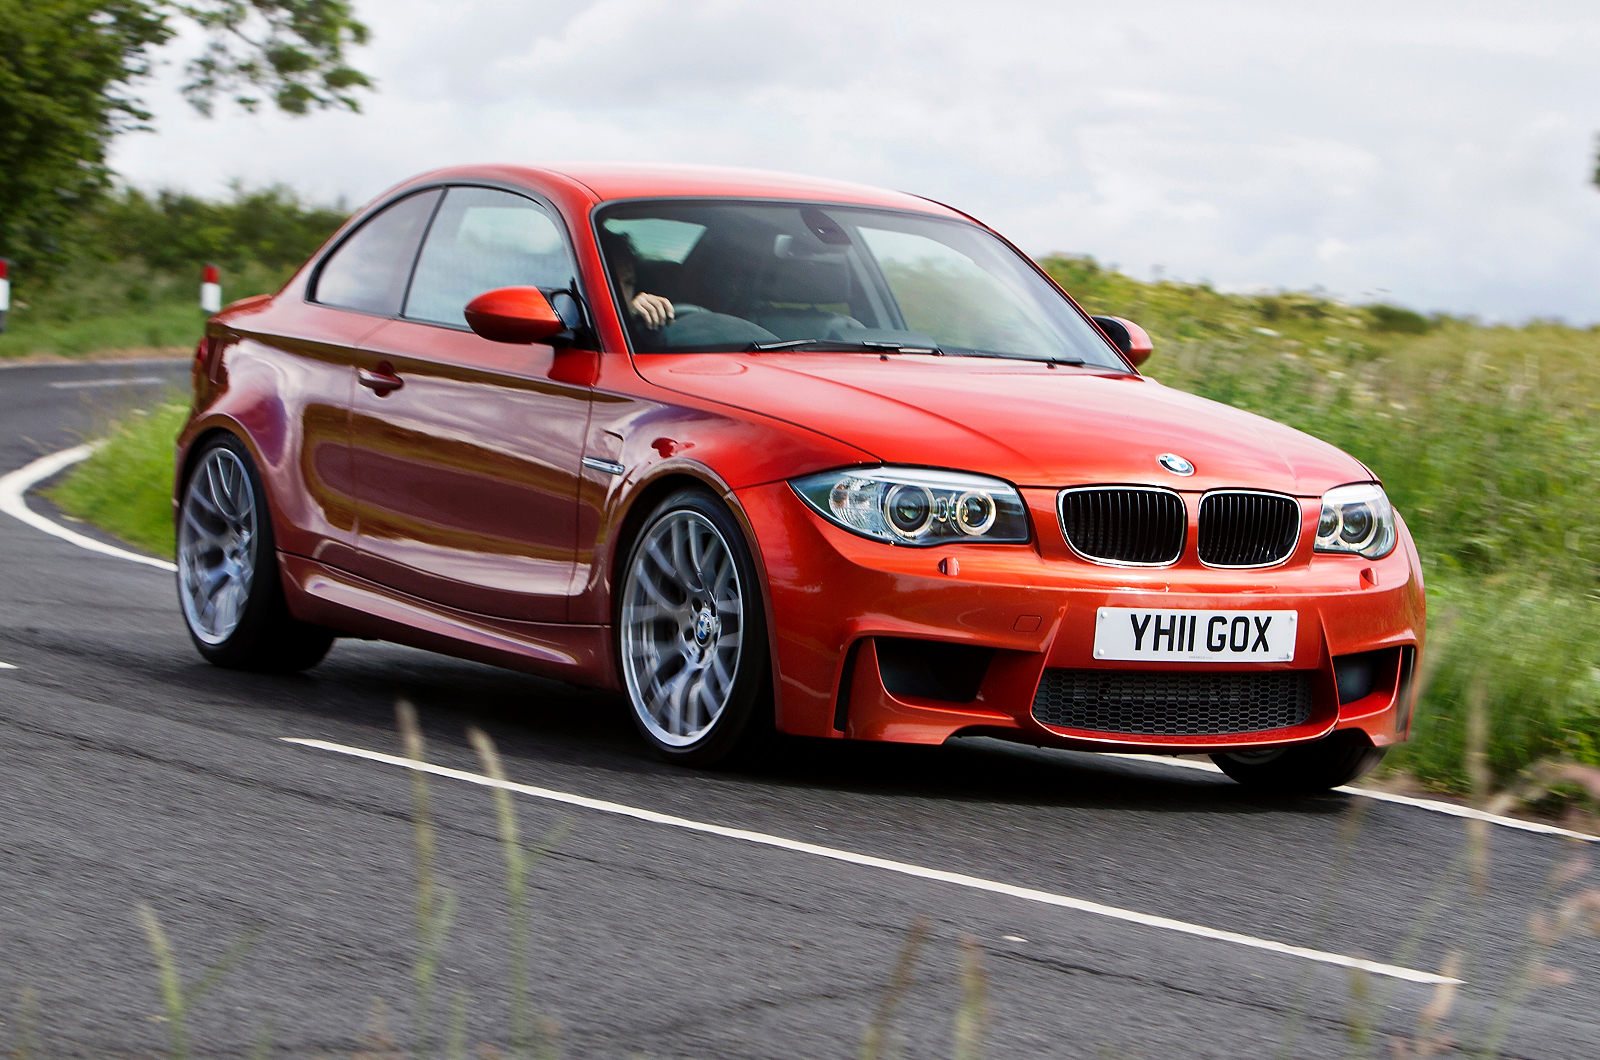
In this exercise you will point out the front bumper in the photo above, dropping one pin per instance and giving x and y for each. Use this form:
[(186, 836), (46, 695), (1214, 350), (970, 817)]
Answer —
[(836, 597)]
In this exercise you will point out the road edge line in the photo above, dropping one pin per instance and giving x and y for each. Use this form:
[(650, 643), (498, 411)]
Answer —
[(903, 868), (14, 489)]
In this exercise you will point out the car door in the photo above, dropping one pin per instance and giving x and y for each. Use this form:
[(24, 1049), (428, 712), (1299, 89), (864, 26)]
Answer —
[(309, 349), (467, 452)]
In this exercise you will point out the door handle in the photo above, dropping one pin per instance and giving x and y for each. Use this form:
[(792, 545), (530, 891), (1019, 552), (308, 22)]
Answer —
[(380, 380)]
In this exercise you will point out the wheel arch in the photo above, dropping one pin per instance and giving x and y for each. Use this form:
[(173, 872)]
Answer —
[(194, 444), (191, 451), (636, 510)]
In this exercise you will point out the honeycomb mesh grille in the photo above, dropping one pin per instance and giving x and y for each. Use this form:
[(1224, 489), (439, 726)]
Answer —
[(1125, 525), (1247, 529), (1150, 703)]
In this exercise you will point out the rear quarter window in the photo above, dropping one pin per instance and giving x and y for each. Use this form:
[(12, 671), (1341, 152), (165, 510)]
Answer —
[(369, 270)]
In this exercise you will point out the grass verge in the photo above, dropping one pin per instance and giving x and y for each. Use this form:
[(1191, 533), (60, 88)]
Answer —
[(126, 486)]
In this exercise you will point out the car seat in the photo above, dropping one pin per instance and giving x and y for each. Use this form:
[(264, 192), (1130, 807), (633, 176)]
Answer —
[(795, 298)]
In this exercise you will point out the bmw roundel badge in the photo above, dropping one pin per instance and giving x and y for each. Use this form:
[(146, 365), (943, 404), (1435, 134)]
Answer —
[(1176, 464)]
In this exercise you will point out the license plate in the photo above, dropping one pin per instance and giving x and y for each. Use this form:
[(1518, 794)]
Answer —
[(1194, 636)]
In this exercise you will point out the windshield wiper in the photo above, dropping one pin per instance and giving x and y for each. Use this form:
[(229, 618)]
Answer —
[(882, 346), (966, 351), (841, 344)]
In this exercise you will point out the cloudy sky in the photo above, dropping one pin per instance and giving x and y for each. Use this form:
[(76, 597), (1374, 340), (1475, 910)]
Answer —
[(1435, 154)]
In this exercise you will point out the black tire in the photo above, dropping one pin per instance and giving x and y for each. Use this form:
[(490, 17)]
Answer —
[(696, 628), (265, 637), (1304, 768)]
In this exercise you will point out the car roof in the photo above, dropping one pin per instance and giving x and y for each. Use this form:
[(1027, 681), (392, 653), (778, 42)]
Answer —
[(607, 181)]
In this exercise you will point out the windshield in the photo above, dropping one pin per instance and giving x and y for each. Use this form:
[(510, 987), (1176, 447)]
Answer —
[(726, 275)]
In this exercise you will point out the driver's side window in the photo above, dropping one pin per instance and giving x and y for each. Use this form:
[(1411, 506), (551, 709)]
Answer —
[(482, 239)]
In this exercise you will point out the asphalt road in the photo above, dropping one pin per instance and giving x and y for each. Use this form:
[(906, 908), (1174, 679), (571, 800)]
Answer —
[(131, 771)]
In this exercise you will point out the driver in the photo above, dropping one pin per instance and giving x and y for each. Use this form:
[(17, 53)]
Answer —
[(653, 310), (680, 327)]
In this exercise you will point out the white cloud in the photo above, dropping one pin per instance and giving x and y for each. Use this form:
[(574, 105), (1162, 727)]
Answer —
[(1447, 143), (1331, 248)]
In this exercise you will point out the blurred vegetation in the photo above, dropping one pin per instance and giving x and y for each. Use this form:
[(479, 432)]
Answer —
[(175, 231), (69, 75), (133, 281), (1485, 438)]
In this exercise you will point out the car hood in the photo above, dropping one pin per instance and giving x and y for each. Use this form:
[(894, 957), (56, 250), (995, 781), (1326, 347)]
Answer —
[(1021, 421)]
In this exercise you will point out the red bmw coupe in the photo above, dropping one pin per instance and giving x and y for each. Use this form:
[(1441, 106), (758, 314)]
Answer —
[(770, 454)]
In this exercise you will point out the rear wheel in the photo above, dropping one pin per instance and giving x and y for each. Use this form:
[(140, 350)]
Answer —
[(1304, 768), (693, 635), (228, 580)]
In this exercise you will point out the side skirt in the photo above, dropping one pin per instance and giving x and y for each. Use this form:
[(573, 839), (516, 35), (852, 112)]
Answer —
[(331, 597)]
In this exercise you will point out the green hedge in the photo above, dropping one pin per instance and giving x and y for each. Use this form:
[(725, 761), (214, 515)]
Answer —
[(133, 278)]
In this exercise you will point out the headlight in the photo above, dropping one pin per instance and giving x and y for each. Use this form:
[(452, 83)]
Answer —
[(1356, 519), (912, 506)]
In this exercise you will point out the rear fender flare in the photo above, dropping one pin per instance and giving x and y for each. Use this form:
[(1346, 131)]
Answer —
[(215, 422)]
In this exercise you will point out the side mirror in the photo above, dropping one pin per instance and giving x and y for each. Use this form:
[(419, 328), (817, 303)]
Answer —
[(1130, 338), (514, 314)]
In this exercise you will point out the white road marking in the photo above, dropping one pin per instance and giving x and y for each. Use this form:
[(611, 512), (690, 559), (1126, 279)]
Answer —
[(1432, 805), (920, 872), (8, 666), (13, 501), (79, 384)]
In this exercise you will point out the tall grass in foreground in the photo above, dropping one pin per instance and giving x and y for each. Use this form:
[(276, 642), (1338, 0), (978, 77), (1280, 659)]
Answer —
[(1566, 907), (178, 997), (1561, 910), (532, 1035)]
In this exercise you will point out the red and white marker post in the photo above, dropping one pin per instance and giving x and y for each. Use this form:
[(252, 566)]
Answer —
[(5, 291), (211, 290)]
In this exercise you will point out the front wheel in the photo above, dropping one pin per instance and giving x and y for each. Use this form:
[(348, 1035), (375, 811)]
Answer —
[(692, 634), (228, 581), (1305, 768)]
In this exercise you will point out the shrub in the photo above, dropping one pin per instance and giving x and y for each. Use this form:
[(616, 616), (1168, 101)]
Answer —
[(1395, 319), (178, 232), (132, 280)]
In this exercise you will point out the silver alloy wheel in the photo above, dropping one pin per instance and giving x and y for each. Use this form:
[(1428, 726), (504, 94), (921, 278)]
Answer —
[(217, 545), (682, 622)]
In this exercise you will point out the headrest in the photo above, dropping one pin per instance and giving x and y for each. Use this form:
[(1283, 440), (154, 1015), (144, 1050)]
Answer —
[(809, 281)]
